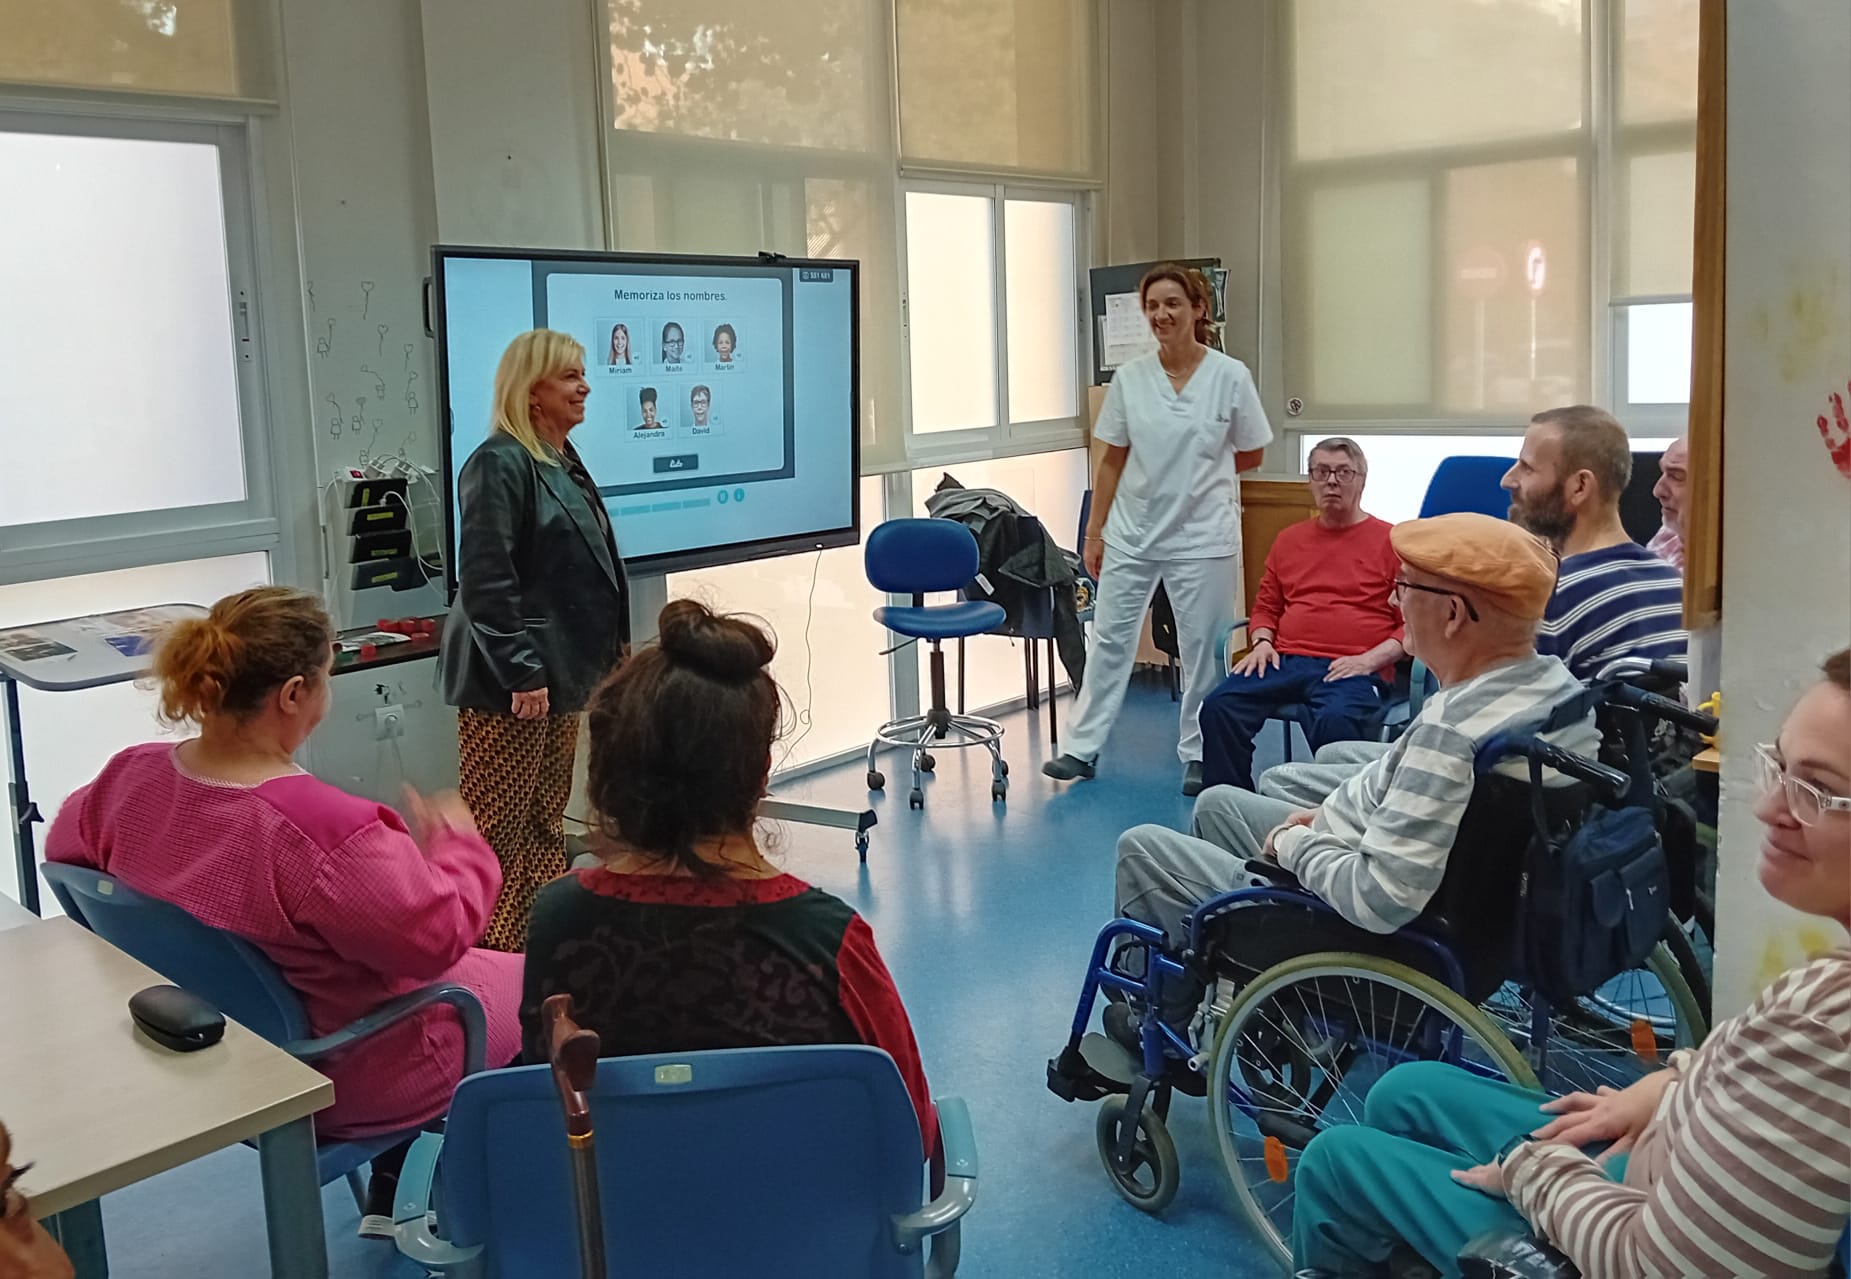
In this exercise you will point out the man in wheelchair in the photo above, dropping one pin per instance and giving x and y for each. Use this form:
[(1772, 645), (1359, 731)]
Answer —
[(1473, 590)]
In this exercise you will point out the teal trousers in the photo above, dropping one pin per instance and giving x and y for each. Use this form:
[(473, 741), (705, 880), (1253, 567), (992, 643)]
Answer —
[(1363, 1188)]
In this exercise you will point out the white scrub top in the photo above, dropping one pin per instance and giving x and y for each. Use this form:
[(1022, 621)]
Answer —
[(1179, 497)]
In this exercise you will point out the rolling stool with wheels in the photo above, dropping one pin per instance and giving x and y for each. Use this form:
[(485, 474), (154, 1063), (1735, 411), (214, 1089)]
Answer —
[(916, 558)]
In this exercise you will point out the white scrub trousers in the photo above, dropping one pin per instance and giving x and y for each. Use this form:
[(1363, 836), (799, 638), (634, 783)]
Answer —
[(1201, 592)]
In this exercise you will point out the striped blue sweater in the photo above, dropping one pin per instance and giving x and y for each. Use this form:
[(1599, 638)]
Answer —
[(1377, 849), (1615, 603)]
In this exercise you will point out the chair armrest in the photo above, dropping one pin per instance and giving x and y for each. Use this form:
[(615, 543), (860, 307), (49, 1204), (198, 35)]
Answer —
[(468, 1011), (1224, 648), (959, 1146), (1271, 871), (411, 1213), (1420, 685), (1511, 1252)]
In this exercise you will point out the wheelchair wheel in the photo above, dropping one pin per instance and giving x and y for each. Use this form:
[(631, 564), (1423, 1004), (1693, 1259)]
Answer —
[(1624, 1030), (1149, 1182), (1300, 1049)]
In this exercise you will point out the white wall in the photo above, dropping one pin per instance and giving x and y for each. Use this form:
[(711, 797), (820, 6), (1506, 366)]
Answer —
[(364, 215), (514, 112), (461, 122), (1787, 511)]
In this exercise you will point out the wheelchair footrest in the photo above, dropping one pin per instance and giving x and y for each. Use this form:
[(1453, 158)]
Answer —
[(1110, 1061), (1097, 1068)]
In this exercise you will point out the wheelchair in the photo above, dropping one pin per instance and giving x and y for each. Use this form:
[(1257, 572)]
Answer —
[(1302, 1011), (1664, 1004)]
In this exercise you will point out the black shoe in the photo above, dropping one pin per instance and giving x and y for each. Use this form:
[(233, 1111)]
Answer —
[(1121, 1026), (376, 1221), (1192, 778), (1069, 768)]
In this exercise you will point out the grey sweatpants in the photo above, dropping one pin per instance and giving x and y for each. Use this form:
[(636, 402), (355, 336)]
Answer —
[(1164, 874), (1308, 785)]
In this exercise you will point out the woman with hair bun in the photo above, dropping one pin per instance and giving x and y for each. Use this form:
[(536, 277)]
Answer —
[(684, 936), (353, 903)]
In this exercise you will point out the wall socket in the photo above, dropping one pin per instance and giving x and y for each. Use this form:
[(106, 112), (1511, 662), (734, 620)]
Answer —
[(388, 721)]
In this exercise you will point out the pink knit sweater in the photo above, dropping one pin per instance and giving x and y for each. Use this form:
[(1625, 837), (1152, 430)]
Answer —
[(331, 887)]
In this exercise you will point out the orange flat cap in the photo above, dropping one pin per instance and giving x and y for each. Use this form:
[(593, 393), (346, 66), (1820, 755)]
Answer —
[(1506, 565)]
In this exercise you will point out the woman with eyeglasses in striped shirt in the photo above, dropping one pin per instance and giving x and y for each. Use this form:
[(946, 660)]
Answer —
[(1735, 1155)]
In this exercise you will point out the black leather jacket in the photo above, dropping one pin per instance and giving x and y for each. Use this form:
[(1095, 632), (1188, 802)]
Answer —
[(542, 600)]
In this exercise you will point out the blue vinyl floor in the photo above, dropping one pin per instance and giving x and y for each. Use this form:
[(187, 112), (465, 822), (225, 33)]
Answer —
[(985, 915)]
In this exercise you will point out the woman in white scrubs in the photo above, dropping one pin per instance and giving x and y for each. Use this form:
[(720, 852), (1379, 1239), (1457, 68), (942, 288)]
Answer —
[(1178, 425)]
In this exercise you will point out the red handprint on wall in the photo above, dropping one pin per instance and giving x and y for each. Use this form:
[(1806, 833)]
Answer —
[(1837, 433)]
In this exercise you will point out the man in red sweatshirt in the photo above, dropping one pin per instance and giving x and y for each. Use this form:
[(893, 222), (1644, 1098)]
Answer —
[(1324, 631)]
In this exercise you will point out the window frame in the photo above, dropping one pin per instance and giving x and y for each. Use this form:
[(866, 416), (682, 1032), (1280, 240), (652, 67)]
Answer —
[(93, 544), (1006, 438), (1600, 147)]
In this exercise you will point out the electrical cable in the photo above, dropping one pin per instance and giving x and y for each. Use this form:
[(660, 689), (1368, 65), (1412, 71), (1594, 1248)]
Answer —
[(803, 716)]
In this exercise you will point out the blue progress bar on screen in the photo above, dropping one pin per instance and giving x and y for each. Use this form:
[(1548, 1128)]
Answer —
[(693, 503)]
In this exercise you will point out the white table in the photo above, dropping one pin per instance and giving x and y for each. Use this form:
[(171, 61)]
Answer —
[(98, 1106), (55, 657), (13, 915)]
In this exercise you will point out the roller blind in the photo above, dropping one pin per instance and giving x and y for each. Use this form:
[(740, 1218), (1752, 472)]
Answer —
[(739, 127), (196, 48), (999, 85)]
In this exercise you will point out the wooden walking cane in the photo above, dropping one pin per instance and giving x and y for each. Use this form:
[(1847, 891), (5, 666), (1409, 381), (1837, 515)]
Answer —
[(573, 1052)]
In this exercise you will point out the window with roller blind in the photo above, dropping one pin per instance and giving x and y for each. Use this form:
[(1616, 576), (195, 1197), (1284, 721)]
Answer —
[(1489, 208), (738, 127), (993, 319), (126, 261)]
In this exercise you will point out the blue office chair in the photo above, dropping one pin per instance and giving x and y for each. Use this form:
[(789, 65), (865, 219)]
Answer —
[(831, 1125), (918, 558), (1468, 484), (245, 985)]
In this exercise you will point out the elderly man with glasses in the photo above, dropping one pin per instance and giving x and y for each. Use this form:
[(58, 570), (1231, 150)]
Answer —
[(1472, 591), (1323, 630)]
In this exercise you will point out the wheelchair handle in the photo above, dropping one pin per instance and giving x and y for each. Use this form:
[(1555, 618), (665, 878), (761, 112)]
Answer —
[(1664, 708), (1615, 783)]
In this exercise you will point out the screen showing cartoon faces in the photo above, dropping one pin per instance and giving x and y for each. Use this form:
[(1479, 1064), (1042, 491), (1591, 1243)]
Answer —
[(722, 405)]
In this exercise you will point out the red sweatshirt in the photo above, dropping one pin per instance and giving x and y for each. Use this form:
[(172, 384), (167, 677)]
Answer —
[(1326, 591)]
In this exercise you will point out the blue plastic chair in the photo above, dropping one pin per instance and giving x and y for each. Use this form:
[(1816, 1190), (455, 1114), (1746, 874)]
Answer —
[(245, 985), (825, 1136), (1468, 484), (917, 558)]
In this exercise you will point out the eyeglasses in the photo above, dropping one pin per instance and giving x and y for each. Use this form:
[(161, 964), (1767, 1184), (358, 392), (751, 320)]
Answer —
[(1343, 473), (1402, 586), (1805, 801)]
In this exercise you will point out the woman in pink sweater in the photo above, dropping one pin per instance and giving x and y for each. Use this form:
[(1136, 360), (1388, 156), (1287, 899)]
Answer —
[(354, 906)]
